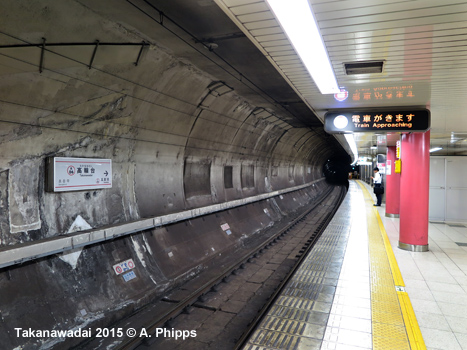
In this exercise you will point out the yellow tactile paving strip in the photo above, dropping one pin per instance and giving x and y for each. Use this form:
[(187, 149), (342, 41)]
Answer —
[(394, 325)]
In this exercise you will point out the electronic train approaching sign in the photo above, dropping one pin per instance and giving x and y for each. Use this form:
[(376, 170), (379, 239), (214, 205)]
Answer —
[(403, 120)]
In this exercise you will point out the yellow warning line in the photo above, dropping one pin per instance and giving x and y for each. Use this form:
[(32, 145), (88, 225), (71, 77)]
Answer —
[(396, 273), (387, 287)]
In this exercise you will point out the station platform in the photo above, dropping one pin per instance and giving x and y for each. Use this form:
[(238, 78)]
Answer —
[(357, 290)]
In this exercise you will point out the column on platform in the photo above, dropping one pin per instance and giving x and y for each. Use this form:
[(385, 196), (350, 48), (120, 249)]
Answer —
[(392, 184), (414, 191)]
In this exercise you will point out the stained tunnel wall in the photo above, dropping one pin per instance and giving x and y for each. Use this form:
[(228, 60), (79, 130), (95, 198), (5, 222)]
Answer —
[(168, 150), (173, 132)]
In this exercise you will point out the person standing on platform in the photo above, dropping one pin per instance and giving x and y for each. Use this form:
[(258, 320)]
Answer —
[(378, 190)]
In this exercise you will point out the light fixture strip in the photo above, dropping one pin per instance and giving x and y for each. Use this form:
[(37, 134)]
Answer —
[(298, 22), (353, 146)]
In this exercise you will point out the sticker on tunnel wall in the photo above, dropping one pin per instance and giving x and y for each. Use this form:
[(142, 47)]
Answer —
[(77, 174), (124, 266), (129, 276), (226, 228)]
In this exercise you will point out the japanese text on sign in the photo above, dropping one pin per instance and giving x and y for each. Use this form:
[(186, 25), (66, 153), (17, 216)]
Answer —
[(382, 121), (394, 93), (383, 93), (75, 174), (361, 121)]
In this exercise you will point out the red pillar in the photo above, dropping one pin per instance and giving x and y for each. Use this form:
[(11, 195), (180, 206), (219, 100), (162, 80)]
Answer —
[(414, 191), (392, 190)]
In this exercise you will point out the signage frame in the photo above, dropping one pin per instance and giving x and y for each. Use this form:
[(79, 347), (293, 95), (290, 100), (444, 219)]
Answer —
[(396, 119), (66, 174), (124, 266)]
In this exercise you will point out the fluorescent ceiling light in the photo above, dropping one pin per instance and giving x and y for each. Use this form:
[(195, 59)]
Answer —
[(353, 146), (436, 149), (298, 22)]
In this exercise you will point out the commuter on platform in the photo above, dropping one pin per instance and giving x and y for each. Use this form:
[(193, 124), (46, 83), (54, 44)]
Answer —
[(378, 190)]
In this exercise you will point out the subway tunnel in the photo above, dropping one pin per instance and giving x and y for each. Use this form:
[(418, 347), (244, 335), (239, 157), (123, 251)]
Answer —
[(158, 157), (191, 115)]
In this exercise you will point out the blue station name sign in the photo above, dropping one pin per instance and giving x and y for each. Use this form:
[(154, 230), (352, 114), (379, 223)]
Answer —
[(403, 120)]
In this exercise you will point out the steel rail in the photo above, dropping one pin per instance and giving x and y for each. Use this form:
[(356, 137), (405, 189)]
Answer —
[(310, 243), (190, 300)]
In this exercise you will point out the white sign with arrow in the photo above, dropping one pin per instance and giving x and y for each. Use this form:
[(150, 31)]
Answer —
[(77, 174)]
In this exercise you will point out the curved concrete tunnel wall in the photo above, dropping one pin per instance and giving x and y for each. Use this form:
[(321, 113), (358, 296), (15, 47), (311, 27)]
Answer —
[(178, 139), (167, 155)]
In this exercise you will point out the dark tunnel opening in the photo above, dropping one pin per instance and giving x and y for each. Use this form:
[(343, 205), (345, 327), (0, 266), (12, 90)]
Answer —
[(336, 170)]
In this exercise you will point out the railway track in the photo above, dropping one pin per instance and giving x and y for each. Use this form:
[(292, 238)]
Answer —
[(303, 253), (224, 309)]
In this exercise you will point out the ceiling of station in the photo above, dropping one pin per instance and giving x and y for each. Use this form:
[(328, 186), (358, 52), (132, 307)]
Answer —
[(422, 43)]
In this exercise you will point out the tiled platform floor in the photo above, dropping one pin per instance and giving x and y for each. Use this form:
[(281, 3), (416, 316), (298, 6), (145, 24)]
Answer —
[(436, 282), (353, 288)]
